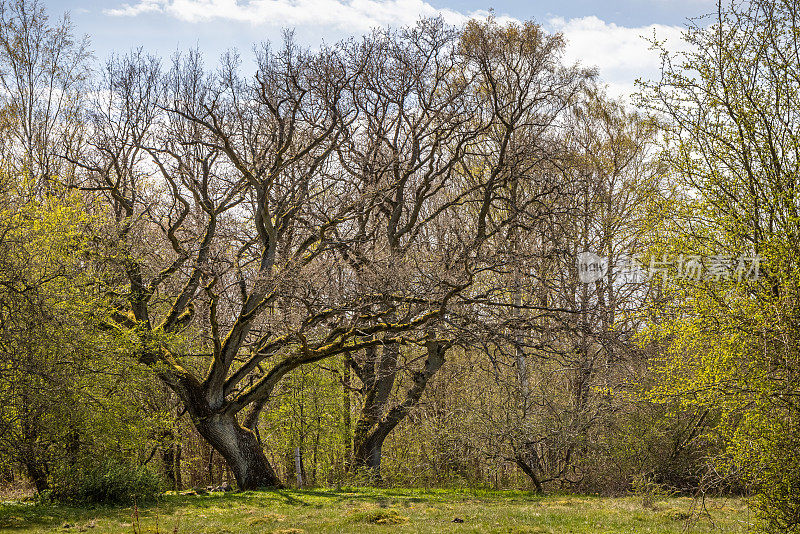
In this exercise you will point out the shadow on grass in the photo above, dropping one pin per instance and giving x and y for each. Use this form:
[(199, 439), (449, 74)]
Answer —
[(294, 501), (22, 515), (19, 516), (388, 496), (25, 514)]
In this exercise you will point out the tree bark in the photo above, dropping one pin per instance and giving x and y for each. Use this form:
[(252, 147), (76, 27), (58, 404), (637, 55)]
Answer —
[(370, 433), (367, 453), (37, 473), (528, 470), (348, 430), (241, 450), (178, 476), (170, 456)]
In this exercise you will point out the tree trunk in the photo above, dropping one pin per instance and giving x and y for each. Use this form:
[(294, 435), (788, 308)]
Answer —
[(170, 456), (37, 473), (241, 450), (372, 431), (367, 453), (348, 425), (528, 470), (381, 372), (237, 444), (178, 477)]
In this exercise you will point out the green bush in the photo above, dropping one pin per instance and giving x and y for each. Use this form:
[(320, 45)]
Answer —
[(777, 504), (769, 450), (110, 482)]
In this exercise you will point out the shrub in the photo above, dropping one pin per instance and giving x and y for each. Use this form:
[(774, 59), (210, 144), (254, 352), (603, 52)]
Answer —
[(769, 449), (649, 490), (109, 482)]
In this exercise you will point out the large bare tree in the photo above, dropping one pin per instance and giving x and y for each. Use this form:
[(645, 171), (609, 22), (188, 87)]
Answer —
[(251, 244), (509, 85)]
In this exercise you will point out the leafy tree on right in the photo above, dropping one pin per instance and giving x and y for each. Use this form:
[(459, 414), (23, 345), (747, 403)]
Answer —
[(731, 110)]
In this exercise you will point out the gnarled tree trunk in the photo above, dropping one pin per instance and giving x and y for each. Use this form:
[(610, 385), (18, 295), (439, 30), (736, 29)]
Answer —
[(241, 450), (237, 443), (373, 426)]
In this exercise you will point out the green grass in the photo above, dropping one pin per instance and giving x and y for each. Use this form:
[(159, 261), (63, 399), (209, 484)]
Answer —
[(384, 511)]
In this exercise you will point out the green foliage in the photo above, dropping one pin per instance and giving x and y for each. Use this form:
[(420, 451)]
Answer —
[(108, 482), (768, 450), (308, 414), (68, 390), (730, 345)]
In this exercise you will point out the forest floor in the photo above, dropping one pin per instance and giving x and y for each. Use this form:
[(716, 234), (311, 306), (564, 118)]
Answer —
[(384, 511)]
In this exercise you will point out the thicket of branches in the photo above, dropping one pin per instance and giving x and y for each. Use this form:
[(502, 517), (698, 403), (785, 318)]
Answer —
[(360, 262), (356, 216)]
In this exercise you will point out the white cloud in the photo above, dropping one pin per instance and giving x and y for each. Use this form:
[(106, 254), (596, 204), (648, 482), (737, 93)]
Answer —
[(352, 15), (621, 54), (127, 10)]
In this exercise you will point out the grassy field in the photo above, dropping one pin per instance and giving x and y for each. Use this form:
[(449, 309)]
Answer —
[(384, 511)]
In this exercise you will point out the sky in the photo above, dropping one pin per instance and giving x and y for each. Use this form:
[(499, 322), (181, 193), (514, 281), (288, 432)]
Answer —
[(608, 35)]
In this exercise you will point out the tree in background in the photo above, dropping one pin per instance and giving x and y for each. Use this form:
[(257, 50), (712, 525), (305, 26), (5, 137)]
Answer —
[(509, 83), (731, 108), (559, 348), (44, 70)]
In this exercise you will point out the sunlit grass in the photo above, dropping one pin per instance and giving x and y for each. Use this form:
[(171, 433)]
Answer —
[(385, 510)]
